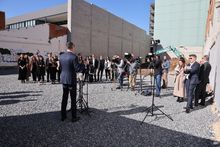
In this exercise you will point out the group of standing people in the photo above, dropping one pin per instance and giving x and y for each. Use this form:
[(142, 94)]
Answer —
[(191, 81), (36, 67)]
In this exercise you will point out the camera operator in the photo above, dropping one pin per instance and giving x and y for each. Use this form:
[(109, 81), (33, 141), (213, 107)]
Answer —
[(120, 70), (133, 65), (157, 74)]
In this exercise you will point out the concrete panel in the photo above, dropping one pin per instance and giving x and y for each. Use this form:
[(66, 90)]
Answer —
[(99, 19), (81, 14), (99, 43), (82, 39), (114, 46), (97, 31), (115, 27)]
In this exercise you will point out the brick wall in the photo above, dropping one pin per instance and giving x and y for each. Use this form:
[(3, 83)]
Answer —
[(2, 20), (57, 31)]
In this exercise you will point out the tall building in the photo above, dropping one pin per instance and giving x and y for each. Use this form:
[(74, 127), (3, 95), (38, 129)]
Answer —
[(181, 23), (151, 24), (91, 28)]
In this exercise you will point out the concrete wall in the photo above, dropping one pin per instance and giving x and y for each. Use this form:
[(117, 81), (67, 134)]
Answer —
[(97, 31), (32, 39)]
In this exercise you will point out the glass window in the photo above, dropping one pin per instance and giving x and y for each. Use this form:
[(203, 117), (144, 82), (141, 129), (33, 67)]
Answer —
[(34, 22)]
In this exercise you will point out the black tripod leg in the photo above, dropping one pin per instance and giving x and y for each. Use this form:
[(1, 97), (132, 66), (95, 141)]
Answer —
[(147, 109), (164, 113), (145, 116)]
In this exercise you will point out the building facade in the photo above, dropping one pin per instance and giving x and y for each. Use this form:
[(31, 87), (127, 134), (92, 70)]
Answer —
[(181, 23), (212, 46), (91, 28), (151, 24)]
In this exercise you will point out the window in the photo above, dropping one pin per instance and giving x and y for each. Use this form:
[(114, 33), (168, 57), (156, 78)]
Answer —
[(34, 22)]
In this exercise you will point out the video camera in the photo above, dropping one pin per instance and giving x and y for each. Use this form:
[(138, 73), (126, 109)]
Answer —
[(128, 56), (116, 59)]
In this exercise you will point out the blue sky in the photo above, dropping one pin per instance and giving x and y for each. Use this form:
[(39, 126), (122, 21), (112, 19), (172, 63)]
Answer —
[(134, 11)]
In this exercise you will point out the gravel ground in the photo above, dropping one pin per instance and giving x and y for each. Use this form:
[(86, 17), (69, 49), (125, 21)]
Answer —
[(30, 116)]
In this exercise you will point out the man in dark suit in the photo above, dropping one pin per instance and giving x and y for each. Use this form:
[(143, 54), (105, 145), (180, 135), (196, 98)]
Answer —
[(205, 69), (95, 64), (69, 67), (192, 81), (49, 65), (101, 66)]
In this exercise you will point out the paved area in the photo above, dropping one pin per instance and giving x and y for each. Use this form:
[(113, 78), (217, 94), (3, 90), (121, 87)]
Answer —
[(30, 116)]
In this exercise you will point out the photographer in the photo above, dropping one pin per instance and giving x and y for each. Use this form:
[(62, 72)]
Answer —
[(157, 74), (133, 65), (120, 70)]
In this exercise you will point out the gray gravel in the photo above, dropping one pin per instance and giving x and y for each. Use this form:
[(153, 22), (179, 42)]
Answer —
[(30, 116)]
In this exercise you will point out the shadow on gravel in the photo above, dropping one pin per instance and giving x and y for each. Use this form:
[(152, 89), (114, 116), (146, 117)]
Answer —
[(20, 92), (8, 70), (19, 96), (101, 129), (8, 102)]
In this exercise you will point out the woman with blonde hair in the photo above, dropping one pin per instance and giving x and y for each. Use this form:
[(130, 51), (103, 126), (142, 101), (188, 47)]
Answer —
[(179, 85)]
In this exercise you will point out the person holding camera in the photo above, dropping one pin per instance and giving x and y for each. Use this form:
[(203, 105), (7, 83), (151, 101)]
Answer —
[(157, 74), (132, 73), (166, 66), (120, 70)]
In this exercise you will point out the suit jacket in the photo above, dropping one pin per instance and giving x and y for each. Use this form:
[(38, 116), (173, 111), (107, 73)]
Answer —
[(69, 66), (101, 64), (194, 73), (204, 72)]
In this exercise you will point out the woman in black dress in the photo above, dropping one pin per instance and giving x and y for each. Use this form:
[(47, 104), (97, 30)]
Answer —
[(22, 74), (53, 70), (41, 69), (34, 68)]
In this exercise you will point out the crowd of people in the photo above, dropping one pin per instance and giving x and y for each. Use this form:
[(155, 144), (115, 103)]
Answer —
[(36, 67), (190, 81)]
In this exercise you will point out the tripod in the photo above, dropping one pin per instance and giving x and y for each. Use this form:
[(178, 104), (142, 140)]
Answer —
[(153, 106), (83, 103)]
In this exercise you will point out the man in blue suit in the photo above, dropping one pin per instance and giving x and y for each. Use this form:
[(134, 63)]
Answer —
[(69, 67), (192, 71)]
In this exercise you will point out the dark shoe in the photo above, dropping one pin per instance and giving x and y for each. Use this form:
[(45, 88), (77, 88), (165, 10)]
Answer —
[(196, 105), (202, 104), (181, 100), (63, 118), (157, 95), (187, 110), (118, 87), (187, 107), (178, 99), (75, 119)]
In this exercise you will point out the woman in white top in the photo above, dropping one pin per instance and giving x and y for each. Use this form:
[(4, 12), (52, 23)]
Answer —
[(107, 69)]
